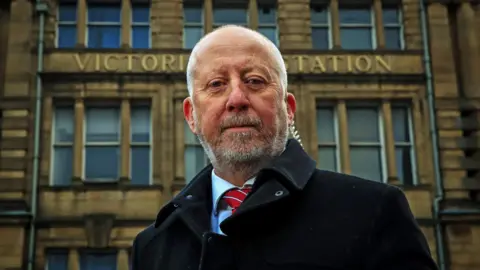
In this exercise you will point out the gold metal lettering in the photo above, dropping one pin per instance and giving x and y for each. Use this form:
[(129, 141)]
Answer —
[(349, 64), (300, 62), (363, 63), (82, 63), (335, 59), (317, 65), (380, 61), (181, 63), (97, 62), (106, 62), (130, 62), (168, 61), (145, 62)]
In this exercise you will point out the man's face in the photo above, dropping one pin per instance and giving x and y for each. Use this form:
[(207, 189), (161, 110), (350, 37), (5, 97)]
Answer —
[(238, 108)]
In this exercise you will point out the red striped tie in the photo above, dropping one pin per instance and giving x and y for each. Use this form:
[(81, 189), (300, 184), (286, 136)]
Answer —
[(234, 197)]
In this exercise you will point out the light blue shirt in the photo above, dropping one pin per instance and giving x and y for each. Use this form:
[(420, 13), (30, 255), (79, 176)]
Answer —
[(219, 211)]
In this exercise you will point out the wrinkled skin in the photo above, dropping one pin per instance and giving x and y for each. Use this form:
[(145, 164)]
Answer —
[(238, 109)]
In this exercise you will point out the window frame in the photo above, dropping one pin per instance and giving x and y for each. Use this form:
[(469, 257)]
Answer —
[(328, 25), (233, 5), (88, 106), (140, 24), (398, 25), (148, 144), (381, 134), (372, 25), (411, 144), (268, 25), (88, 23), (67, 23), (54, 144), (336, 133), (201, 24)]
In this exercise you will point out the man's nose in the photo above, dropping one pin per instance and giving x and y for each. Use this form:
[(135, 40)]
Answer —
[(237, 100)]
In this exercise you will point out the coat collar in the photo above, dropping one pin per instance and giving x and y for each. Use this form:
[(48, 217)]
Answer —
[(292, 170)]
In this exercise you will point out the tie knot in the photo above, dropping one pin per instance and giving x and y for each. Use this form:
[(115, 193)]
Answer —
[(234, 197)]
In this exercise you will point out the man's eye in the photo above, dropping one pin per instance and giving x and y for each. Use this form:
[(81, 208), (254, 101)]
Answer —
[(255, 81), (216, 84)]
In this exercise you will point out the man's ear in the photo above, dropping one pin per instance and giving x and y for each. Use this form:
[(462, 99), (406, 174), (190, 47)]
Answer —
[(291, 107), (188, 113)]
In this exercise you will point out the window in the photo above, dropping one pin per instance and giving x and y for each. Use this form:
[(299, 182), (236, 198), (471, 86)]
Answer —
[(104, 25), (392, 23), (91, 260), (140, 143), (267, 23), (195, 158), (327, 138), (62, 152), (57, 259), (102, 144), (140, 26), (367, 152), (404, 150), (366, 145), (320, 23), (230, 14), (193, 26), (67, 25), (357, 28)]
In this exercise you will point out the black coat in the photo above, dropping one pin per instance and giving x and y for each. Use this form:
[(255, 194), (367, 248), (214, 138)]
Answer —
[(296, 218)]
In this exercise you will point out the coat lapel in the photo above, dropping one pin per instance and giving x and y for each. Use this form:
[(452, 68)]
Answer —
[(192, 205)]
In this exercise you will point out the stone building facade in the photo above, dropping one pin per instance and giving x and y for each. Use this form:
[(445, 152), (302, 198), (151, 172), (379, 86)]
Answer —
[(93, 140)]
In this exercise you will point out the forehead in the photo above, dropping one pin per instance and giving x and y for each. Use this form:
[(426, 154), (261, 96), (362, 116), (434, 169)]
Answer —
[(239, 55)]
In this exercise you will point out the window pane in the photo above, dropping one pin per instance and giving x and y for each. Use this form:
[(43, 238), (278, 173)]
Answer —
[(104, 13), (401, 127), (103, 124), (327, 158), (57, 260), (103, 36), (141, 14), (403, 160), (195, 161), (325, 125), (140, 124), (267, 15), (100, 261), (102, 162), (64, 125), (192, 36), (363, 125), (393, 38), (141, 37), (67, 13), (391, 16), (356, 38), (229, 16), (193, 15), (355, 16), (140, 165), (67, 36), (320, 38), (366, 163), (62, 165), (319, 16), (270, 33)]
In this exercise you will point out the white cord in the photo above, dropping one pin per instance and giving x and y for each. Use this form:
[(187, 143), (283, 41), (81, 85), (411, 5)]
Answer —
[(294, 133)]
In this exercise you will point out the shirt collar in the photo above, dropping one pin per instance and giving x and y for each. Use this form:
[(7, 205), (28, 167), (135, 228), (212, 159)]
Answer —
[(220, 186)]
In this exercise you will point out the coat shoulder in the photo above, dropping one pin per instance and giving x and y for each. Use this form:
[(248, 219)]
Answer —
[(343, 185)]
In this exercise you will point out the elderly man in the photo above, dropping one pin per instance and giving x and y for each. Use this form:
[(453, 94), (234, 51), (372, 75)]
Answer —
[(262, 204)]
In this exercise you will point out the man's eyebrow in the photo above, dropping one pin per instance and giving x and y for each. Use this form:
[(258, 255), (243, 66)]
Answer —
[(262, 68)]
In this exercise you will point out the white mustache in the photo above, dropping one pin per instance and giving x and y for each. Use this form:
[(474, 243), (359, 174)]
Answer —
[(239, 121)]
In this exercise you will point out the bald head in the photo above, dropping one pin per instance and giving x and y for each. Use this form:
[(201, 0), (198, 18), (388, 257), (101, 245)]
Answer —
[(242, 38)]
